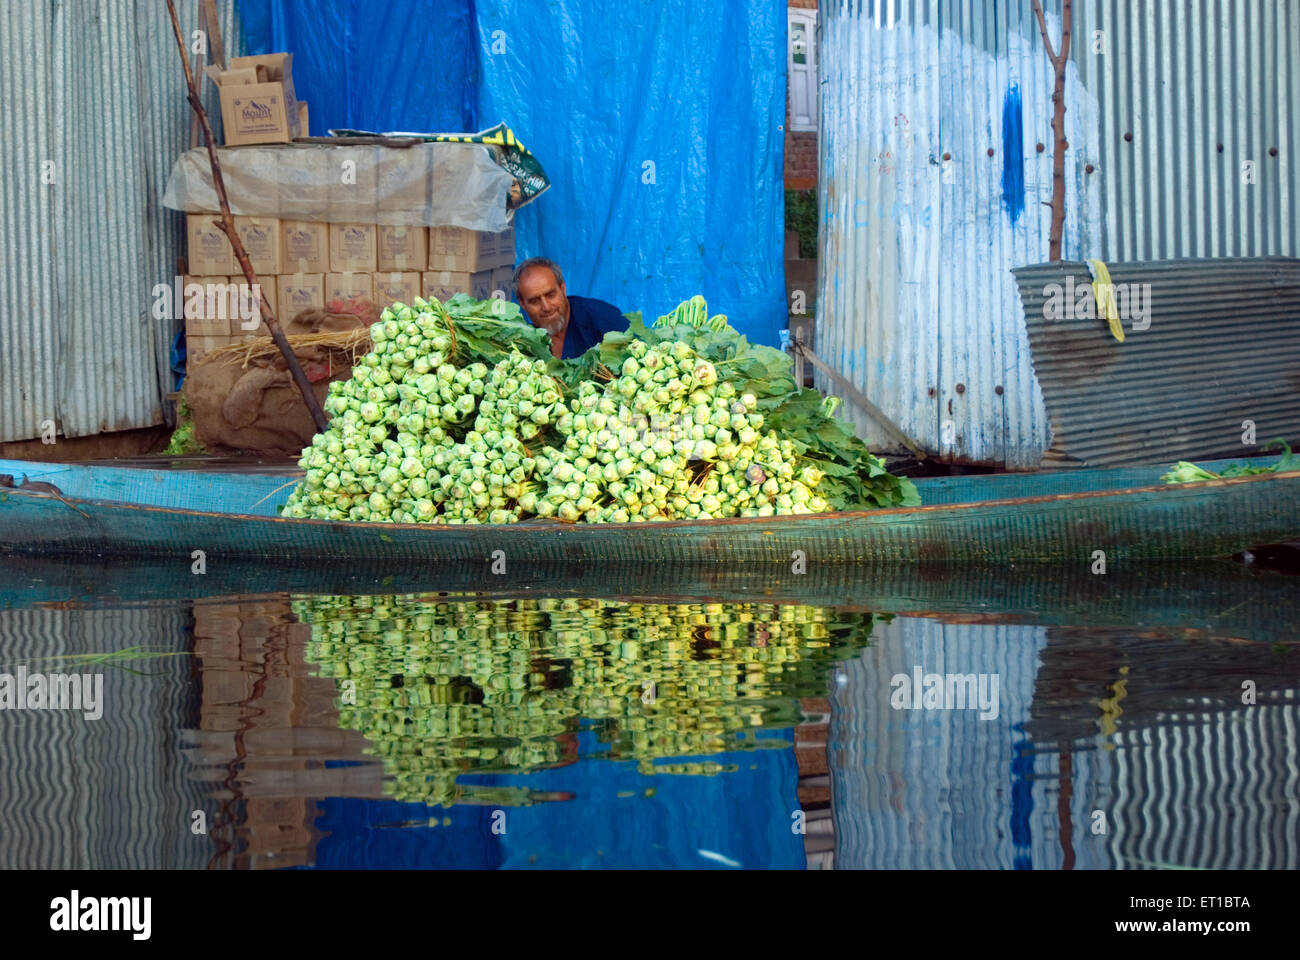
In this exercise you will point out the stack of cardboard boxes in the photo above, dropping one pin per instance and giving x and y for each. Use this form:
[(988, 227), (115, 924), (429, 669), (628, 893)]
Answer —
[(302, 265)]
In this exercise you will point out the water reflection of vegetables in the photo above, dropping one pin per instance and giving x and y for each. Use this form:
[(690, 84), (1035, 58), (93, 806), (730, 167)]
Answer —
[(449, 687)]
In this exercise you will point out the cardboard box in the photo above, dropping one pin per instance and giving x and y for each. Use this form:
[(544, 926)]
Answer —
[(401, 249), (233, 78), (207, 306), (501, 283), (301, 196), (392, 288), (257, 113), (299, 292), (196, 348), (348, 286), (274, 68), (467, 251), (217, 306), (207, 249), (403, 185), (258, 104), (269, 66), (505, 247), (304, 246), (303, 129), (445, 284), (251, 305), (261, 239), (352, 248)]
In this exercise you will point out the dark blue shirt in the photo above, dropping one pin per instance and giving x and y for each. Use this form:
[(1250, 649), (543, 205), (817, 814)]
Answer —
[(589, 321)]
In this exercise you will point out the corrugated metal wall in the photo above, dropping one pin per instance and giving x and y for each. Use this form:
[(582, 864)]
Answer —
[(112, 793), (94, 115), (1227, 326), (1203, 87), (914, 296), (917, 305)]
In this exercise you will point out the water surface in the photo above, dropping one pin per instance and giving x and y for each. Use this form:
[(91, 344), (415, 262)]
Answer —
[(1149, 722)]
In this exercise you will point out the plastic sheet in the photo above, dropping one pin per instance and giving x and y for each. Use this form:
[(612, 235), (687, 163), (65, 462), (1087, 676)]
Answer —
[(391, 65), (427, 184), (660, 127)]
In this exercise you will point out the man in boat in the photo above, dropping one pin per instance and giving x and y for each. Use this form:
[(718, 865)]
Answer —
[(574, 323)]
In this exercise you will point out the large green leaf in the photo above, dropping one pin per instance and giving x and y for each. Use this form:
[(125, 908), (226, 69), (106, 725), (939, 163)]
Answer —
[(487, 330)]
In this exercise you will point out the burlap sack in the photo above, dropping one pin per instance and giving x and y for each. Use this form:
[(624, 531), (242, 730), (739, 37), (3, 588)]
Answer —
[(256, 408)]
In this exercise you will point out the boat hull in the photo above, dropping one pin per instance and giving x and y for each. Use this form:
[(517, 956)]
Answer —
[(1183, 521)]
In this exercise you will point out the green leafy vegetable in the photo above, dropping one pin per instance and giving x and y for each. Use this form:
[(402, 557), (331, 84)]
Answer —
[(461, 414), (1184, 472)]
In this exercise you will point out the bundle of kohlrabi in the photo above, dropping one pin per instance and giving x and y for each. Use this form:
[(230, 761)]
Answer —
[(461, 415)]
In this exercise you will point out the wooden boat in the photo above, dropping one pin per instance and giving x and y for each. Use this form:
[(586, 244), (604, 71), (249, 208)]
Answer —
[(1126, 513)]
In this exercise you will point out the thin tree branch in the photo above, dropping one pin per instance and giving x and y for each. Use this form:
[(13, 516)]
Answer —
[(227, 224), (1067, 27), (1059, 60), (1042, 26)]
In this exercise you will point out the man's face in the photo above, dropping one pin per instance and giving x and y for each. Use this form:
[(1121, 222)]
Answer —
[(544, 300)]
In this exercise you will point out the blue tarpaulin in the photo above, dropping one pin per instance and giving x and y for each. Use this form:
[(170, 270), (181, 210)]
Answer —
[(659, 125), (374, 64)]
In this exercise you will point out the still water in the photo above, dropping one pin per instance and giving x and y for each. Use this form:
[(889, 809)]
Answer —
[(983, 720)]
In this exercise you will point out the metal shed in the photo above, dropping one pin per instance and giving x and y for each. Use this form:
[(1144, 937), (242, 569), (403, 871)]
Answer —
[(1180, 120)]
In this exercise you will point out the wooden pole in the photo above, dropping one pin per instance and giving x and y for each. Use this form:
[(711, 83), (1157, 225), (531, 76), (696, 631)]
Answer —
[(1059, 61), (227, 225)]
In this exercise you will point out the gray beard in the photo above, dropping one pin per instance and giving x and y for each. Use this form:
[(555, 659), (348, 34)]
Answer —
[(553, 329)]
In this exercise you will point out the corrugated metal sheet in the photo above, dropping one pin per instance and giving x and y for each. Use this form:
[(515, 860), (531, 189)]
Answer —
[(29, 383), (1203, 88), (917, 306), (1220, 350), (93, 98), (914, 296), (112, 793)]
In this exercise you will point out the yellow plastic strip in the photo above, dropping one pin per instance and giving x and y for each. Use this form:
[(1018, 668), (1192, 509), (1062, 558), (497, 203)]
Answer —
[(1103, 292)]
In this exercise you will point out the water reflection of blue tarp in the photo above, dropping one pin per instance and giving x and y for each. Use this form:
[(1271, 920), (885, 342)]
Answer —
[(742, 817)]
